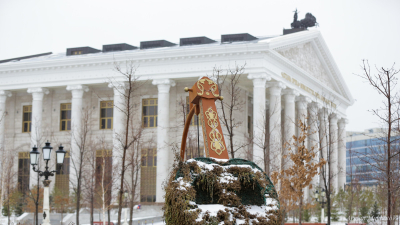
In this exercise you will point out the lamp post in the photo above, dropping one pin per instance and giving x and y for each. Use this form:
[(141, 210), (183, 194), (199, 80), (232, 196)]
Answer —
[(34, 157), (322, 202)]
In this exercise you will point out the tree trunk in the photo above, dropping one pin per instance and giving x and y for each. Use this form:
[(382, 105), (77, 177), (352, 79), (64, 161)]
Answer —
[(78, 201), (91, 208), (300, 206), (109, 217)]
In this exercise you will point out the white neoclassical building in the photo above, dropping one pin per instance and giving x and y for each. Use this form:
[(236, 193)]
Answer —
[(286, 78)]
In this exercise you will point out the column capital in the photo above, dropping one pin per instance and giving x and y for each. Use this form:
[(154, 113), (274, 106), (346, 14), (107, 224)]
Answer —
[(323, 113), (315, 105), (118, 87), (77, 87), (164, 81), (259, 79), (343, 122), (333, 118), (164, 84), (5, 93), (290, 95), (77, 90), (38, 90), (303, 99), (275, 87), (38, 93)]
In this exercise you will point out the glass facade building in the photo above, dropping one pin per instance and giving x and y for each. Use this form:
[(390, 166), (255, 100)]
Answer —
[(363, 152)]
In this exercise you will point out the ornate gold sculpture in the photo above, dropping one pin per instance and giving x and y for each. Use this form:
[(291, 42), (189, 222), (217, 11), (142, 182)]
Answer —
[(210, 82), (215, 136)]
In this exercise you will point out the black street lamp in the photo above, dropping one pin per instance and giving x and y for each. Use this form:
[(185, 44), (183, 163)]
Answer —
[(34, 157), (322, 202)]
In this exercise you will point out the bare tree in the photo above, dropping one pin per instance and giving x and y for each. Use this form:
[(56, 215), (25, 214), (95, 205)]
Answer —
[(81, 136), (9, 179), (127, 88), (384, 81), (228, 84)]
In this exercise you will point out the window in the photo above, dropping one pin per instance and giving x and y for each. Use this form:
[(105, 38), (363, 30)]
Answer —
[(62, 175), (148, 175), (195, 117), (149, 117), (103, 177), (27, 119), (65, 122), (106, 115), (23, 172), (76, 53)]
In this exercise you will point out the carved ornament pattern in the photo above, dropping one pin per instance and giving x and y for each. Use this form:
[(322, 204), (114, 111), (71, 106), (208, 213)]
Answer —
[(215, 136), (213, 87), (306, 58)]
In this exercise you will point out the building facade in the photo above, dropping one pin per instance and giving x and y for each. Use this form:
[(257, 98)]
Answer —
[(364, 151), (286, 79)]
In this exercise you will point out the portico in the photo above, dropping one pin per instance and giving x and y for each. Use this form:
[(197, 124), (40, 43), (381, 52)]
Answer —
[(284, 89)]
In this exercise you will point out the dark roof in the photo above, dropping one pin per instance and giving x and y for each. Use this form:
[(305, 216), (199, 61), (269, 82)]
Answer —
[(237, 37), (155, 44), (25, 57), (118, 47), (195, 41), (81, 50)]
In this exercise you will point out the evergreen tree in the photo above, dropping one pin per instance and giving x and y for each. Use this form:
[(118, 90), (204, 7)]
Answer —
[(306, 215), (364, 211), (334, 214), (375, 211)]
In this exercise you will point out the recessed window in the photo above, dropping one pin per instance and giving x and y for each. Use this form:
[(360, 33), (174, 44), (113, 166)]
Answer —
[(106, 115), (149, 116), (23, 172), (65, 117), (148, 175), (62, 175), (103, 176), (76, 53), (27, 119)]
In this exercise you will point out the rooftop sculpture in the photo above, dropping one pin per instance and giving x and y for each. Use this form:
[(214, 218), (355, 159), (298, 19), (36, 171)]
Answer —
[(308, 21)]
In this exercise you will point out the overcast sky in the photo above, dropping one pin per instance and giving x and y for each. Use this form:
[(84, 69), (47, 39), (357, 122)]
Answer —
[(353, 30)]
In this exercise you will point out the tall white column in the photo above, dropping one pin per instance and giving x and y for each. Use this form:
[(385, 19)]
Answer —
[(342, 153), (333, 151), (3, 99), (323, 140), (76, 129), (289, 123), (302, 113), (119, 122), (301, 106), (163, 149), (313, 139), (36, 124), (259, 118), (275, 136)]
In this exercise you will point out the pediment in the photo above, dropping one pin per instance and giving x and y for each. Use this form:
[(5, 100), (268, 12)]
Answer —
[(307, 58)]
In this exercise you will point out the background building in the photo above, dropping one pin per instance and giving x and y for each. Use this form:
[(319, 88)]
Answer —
[(362, 150), (286, 78)]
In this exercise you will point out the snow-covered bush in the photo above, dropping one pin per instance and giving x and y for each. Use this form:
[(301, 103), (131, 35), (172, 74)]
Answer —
[(214, 191)]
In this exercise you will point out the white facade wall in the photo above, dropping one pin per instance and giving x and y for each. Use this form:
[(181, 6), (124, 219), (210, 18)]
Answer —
[(271, 64)]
